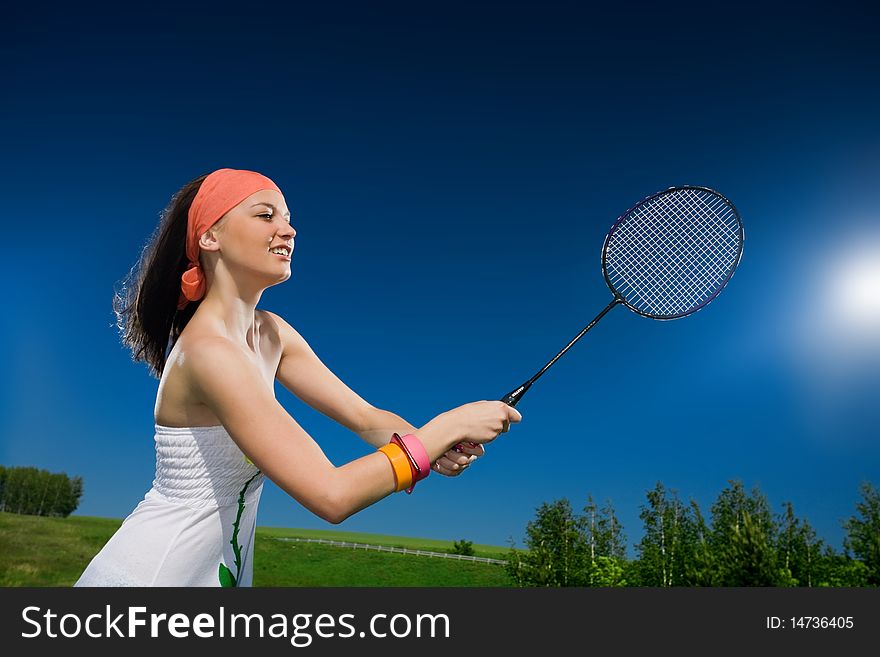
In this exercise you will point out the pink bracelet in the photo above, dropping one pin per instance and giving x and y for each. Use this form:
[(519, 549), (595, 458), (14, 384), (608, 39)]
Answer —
[(420, 454), (417, 455)]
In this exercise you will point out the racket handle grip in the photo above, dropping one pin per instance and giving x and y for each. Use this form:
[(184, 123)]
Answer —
[(511, 398)]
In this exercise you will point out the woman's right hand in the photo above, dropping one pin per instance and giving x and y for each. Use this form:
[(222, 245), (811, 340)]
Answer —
[(478, 422), (481, 422)]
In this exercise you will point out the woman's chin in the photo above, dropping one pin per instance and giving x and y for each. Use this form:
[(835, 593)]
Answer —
[(273, 276)]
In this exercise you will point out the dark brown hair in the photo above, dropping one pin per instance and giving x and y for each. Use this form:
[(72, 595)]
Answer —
[(146, 303)]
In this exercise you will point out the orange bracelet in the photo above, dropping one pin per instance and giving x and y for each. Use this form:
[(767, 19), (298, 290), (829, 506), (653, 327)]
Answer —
[(402, 471)]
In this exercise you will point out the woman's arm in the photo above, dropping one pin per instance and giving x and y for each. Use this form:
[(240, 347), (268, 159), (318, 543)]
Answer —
[(223, 377), (304, 375), (226, 380)]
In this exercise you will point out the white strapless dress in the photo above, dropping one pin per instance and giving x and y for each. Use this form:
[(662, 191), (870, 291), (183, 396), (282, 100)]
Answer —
[(195, 526)]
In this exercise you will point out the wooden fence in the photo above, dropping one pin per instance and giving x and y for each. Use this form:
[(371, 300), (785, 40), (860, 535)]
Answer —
[(388, 548)]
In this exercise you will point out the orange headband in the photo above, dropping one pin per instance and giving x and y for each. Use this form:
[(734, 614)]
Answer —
[(220, 191)]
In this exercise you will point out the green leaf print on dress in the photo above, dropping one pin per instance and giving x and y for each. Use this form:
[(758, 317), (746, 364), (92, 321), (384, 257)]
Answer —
[(227, 579)]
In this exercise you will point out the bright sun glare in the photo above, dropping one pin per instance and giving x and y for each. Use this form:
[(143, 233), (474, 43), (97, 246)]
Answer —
[(856, 291), (836, 339)]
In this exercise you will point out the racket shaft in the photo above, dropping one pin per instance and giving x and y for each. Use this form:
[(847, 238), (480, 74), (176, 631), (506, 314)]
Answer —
[(513, 397)]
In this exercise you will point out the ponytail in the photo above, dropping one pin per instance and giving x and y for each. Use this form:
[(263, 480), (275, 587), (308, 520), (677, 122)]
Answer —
[(146, 302)]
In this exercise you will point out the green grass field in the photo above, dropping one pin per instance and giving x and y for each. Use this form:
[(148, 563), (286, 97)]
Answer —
[(41, 551)]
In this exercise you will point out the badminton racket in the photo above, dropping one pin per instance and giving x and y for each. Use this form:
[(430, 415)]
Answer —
[(666, 257)]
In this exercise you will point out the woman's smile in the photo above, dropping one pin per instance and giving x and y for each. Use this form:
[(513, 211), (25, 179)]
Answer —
[(283, 251)]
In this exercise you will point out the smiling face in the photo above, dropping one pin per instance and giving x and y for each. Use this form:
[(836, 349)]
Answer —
[(246, 236)]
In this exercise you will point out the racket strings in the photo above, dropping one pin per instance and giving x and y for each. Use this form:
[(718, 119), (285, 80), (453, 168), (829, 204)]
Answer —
[(676, 255), (673, 281), (668, 270), (671, 255)]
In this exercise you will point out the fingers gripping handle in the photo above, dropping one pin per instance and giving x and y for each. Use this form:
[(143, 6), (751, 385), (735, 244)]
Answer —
[(511, 399)]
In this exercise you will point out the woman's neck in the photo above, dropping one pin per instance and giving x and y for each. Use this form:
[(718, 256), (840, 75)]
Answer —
[(232, 317)]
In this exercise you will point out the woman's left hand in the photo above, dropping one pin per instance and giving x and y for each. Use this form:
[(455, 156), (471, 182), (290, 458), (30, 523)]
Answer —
[(453, 463)]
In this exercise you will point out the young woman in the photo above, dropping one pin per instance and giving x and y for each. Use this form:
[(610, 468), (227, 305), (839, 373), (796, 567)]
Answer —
[(190, 312)]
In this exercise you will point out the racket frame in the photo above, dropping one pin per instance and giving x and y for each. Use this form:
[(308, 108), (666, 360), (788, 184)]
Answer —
[(728, 275), (512, 397)]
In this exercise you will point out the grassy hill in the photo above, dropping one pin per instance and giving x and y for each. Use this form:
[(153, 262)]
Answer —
[(40, 551)]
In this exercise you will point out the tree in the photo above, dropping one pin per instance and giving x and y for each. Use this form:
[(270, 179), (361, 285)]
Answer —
[(74, 491), (557, 550), (4, 477), (608, 571), (606, 543), (838, 570), (463, 547), (701, 569), (610, 540), (742, 539), (28, 490), (799, 550), (752, 560), (863, 532), (668, 543)]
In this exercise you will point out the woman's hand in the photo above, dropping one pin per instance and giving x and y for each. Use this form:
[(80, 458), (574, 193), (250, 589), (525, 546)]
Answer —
[(454, 462), (482, 421), (476, 423)]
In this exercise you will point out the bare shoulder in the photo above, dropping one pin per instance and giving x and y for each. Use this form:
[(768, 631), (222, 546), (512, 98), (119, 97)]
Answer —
[(277, 321), (207, 356), (289, 336), (200, 342)]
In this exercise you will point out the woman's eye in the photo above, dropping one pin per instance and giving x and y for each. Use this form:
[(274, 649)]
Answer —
[(265, 215)]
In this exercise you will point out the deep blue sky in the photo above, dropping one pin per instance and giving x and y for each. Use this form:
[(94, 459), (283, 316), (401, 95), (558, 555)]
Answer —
[(452, 172)]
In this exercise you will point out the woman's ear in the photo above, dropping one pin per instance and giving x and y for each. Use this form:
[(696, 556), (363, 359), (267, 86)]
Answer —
[(208, 241)]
